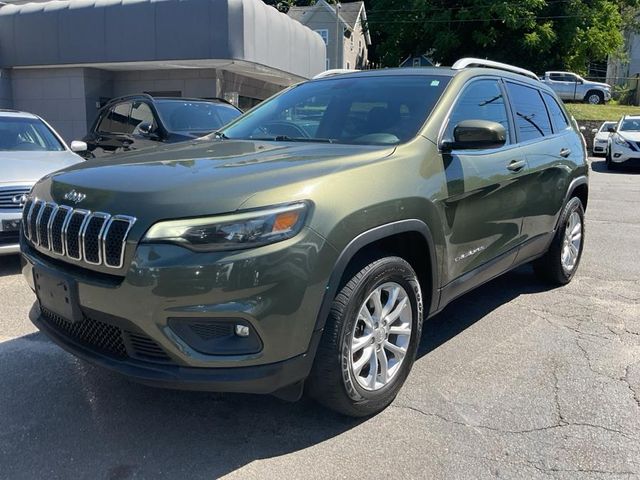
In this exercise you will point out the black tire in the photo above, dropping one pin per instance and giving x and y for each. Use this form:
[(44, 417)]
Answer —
[(331, 382), (549, 267), (610, 165), (592, 94)]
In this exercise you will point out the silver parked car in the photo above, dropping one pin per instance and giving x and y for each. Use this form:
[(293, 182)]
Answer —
[(29, 150), (572, 87)]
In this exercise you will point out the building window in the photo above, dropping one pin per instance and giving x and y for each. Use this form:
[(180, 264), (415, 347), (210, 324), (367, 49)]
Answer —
[(327, 64), (324, 33), (348, 65), (351, 39), (359, 45)]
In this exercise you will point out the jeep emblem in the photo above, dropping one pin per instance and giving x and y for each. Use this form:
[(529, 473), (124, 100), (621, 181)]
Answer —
[(75, 197)]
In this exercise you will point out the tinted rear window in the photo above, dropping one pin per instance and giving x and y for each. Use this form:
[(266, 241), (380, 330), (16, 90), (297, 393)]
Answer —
[(356, 110), (558, 118), (532, 120)]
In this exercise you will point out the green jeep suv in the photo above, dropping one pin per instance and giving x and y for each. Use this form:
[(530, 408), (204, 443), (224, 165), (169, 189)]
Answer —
[(302, 246)]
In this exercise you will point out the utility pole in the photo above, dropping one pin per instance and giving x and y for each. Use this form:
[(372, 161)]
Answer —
[(337, 33)]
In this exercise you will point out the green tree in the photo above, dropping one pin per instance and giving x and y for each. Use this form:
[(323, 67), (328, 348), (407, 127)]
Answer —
[(536, 34)]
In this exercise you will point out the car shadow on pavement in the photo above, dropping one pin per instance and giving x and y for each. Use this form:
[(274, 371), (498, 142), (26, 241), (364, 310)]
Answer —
[(600, 166), (71, 420), (475, 305), (9, 265)]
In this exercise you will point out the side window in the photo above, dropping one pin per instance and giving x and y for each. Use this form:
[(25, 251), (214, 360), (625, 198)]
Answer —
[(119, 119), (532, 120), (558, 118), (556, 77), (105, 123), (481, 100), (141, 113)]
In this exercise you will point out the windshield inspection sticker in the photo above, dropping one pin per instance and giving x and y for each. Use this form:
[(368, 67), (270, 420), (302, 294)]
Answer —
[(435, 83)]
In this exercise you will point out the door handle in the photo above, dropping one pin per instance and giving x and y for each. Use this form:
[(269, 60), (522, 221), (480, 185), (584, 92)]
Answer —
[(516, 165), (565, 152)]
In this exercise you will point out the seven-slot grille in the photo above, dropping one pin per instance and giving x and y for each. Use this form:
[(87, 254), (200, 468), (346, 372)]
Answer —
[(11, 197), (96, 238)]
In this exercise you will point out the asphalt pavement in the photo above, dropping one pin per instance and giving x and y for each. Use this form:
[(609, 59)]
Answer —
[(514, 380)]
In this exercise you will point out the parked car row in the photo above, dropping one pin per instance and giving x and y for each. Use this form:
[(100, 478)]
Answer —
[(31, 149)]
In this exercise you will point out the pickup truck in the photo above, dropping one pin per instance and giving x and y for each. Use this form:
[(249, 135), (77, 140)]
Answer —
[(571, 87)]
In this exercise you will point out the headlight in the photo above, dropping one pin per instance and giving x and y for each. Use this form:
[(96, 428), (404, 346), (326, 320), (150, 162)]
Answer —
[(620, 141), (232, 232)]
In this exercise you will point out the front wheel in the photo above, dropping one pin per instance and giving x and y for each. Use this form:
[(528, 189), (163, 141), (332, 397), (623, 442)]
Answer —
[(370, 339), (559, 264), (594, 97)]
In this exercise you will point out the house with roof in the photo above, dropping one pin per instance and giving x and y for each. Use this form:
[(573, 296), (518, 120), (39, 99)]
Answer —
[(342, 28)]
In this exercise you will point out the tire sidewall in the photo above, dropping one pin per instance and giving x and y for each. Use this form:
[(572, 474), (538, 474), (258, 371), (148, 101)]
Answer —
[(399, 272), (574, 205)]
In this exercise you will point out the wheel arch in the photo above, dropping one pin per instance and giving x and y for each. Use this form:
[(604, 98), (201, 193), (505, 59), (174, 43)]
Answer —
[(591, 91), (579, 187), (396, 238)]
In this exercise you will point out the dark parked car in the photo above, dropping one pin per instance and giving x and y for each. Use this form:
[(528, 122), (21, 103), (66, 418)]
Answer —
[(140, 121), (304, 244)]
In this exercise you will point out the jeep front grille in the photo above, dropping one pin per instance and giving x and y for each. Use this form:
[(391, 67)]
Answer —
[(96, 238)]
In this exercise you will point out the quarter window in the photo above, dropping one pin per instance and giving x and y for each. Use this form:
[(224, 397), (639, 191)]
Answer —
[(558, 118), (324, 33), (532, 120), (481, 100)]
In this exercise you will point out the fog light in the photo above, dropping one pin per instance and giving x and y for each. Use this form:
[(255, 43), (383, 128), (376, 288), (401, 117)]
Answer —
[(242, 330), (616, 155)]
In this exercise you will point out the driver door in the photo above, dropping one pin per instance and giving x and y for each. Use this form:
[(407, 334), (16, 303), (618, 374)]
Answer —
[(485, 198)]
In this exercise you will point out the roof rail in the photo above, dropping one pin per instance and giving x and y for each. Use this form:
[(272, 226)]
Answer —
[(478, 62), (332, 72)]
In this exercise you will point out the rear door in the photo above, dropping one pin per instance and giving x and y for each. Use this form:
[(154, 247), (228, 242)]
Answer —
[(485, 198), (551, 158)]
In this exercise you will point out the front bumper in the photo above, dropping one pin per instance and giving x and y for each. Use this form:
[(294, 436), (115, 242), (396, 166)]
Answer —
[(276, 290), (599, 148), (621, 154), (9, 243)]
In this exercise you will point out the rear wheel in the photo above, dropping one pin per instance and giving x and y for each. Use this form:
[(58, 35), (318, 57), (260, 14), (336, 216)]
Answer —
[(370, 339), (559, 264)]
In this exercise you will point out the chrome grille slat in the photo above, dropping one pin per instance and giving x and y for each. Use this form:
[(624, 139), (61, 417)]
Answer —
[(95, 238)]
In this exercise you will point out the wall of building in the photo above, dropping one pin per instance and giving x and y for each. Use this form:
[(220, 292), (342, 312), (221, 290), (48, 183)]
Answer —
[(323, 19), (6, 96), (355, 49), (56, 94)]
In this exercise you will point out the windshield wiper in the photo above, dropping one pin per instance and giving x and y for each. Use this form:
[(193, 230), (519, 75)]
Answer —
[(221, 135), (287, 138)]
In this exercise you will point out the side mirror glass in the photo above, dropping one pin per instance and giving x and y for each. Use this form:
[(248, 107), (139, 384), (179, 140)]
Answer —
[(476, 134), (78, 146)]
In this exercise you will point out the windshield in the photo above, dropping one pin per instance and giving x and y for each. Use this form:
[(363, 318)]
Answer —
[(358, 110), (194, 116), (27, 135), (630, 125), (607, 125)]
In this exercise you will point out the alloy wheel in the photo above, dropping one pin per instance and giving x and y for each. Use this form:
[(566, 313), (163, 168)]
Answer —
[(572, 241), (380, 336)]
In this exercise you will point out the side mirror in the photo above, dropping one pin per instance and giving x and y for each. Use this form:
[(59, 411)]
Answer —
[(611, 129), (145, 128), (476, 134), (594, 130), (78, 146)]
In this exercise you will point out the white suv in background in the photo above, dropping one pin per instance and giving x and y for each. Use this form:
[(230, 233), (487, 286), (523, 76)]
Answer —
[(624, 143), (29, 150)]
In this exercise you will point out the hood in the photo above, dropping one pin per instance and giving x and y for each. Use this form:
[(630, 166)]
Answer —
[(201, 177), (630, 135), (599, 84), (602, 135), (28, 167)]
